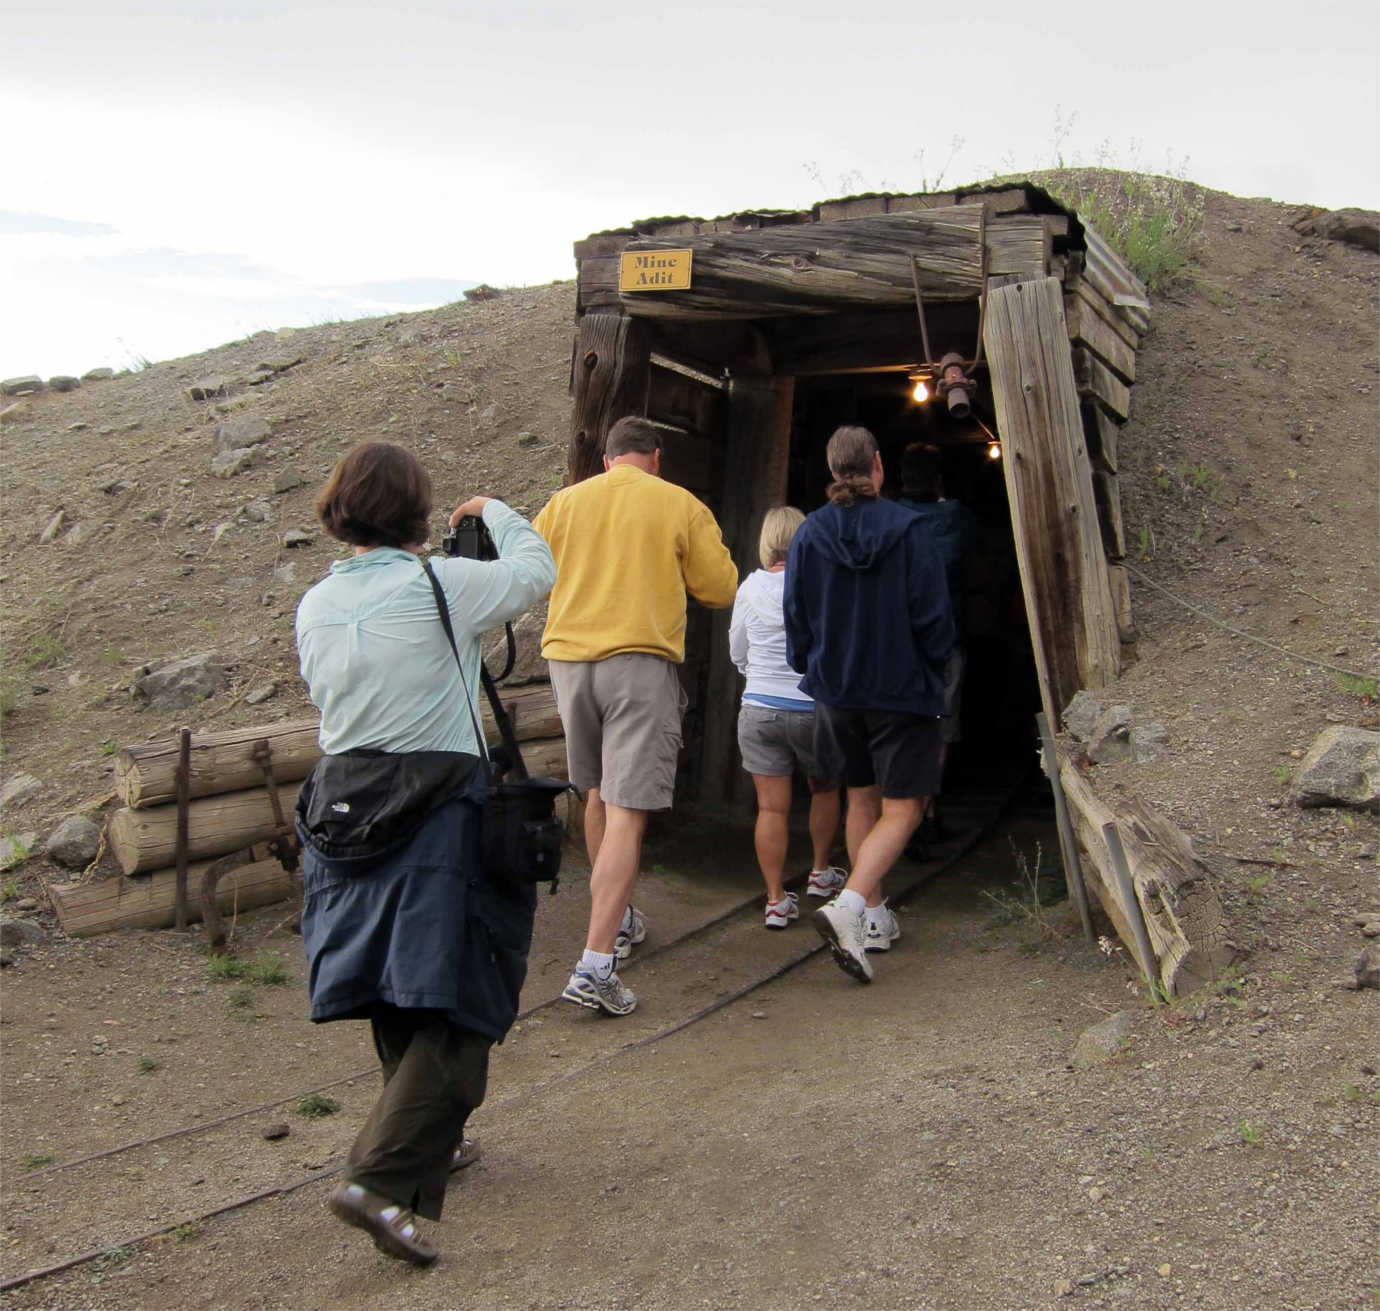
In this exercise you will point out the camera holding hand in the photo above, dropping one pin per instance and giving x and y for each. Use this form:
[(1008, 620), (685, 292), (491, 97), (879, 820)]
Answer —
[(470, 539)]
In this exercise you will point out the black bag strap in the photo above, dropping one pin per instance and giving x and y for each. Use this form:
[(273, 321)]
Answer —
[(505, 725)]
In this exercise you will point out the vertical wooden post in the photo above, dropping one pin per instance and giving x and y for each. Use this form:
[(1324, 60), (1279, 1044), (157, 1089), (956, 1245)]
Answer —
[(1049, 488), (184, 778), (757, 448), (612, 358)]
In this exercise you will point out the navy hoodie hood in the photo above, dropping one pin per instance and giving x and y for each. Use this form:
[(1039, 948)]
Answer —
[(868, 620)]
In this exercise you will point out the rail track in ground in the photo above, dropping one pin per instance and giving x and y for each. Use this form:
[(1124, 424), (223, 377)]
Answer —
[(714, 964)]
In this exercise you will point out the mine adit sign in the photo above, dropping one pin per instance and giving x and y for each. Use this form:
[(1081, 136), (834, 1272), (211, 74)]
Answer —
[(654, 270)]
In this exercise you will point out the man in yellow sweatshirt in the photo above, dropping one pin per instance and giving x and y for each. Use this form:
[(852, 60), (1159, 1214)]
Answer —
[(628, 547)]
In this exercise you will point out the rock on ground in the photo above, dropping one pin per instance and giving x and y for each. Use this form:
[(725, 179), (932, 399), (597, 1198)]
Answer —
[(181, 683), (1103, 1040), (75, 842), (1341, 768)]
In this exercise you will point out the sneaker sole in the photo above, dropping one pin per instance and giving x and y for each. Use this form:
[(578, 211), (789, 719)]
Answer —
[(846, 961)]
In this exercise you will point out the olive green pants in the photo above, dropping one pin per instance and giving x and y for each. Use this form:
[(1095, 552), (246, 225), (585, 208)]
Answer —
[(434, 1075)]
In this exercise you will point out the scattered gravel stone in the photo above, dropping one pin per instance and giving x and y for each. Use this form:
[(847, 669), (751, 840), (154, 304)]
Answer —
[(21, 386), (286, 480), (63, 382), (75, 842), (297, 537), (261, 694), (13, 413), (273, 1132), (1368, 968), (207, 389), (1110, 738), (1148, 742), (240, 432), (97, 375), (1081, 714), (258, 512), (49, 534), (1103, 1040), (6, 958), (18, 790), (528, 439), (1341, 768), (229, 463), (21, 933), (181, 683)]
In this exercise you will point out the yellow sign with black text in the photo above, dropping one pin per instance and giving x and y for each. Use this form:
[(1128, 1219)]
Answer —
[(654, 270)]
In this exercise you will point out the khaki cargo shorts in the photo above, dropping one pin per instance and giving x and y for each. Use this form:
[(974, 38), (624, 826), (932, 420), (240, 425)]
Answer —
[(622, 720)]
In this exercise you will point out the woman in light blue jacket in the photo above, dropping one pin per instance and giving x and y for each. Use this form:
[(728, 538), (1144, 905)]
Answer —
[(401, 925), (776, 726)]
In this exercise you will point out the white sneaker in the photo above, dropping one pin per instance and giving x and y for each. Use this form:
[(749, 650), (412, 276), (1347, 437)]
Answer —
[(780, 913), (826, 882), (844, 933), (883, 928), (598, 994), (631, 931)]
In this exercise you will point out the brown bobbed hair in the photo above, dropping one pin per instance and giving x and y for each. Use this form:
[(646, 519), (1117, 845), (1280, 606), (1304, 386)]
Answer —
[(378, 494), (632, 436), (850, 454)]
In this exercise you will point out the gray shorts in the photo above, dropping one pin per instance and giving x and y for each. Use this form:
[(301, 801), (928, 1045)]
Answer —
[(622, 719), (775, 743)]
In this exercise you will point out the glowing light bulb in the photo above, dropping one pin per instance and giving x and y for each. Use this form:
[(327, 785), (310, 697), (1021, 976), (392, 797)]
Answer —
[(921, 393), (994, 450)]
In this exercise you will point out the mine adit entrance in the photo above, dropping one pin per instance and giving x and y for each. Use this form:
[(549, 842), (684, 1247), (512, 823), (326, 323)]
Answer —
[(750, 338)]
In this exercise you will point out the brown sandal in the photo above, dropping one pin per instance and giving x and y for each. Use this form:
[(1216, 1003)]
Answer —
[(393, 1227), (467, 1153)]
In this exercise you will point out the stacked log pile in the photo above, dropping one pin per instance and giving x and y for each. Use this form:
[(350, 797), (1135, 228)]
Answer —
[(230, 815)]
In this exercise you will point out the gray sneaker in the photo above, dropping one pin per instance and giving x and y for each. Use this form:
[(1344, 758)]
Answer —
[(883, 928), (631, 931), (845, 935), (610, 995)]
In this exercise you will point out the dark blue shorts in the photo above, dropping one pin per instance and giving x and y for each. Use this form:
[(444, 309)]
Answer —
[(885, 748)]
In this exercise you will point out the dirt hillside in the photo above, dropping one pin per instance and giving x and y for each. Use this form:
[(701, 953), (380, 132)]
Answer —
[(1225, 1158)]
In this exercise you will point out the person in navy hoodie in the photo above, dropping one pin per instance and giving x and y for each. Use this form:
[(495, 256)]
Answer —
[(869, 625)]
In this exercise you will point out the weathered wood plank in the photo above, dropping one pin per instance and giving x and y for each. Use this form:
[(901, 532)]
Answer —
[(86, 909), (1049, 490), (1107, 494), (1102, 433), (1079, 286), (1019, 244), (821, 268), (611, 367), (1176, 897), (1095, 379), (1120, 583), (1087, 328)]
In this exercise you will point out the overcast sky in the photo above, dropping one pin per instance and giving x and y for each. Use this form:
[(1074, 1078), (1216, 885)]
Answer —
[(177, 175)]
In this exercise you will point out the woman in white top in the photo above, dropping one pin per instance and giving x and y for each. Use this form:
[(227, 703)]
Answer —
[(776, 726)]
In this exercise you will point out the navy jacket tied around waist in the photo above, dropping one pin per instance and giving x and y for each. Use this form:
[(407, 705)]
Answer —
[(415, 924)]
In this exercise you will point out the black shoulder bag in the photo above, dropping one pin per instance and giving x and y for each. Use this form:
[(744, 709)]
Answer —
[(522, 838)]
